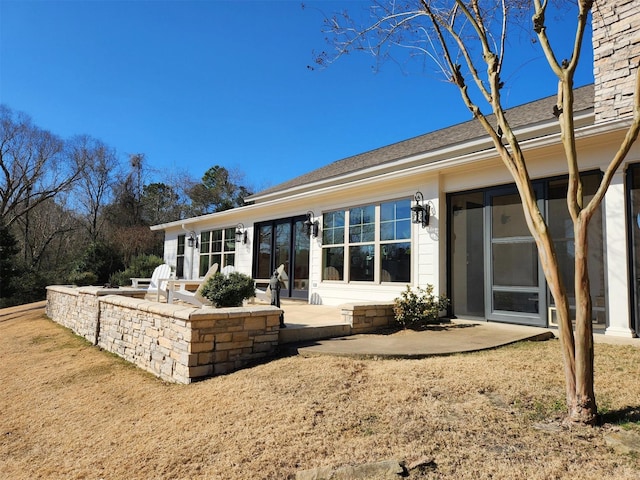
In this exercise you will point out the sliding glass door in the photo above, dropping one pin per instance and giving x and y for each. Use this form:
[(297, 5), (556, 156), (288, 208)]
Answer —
[(514, 276), (633, 185), (494, 271), (284, 242), (466, 259)]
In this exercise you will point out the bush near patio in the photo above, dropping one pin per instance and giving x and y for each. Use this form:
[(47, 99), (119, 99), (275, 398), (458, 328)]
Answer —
[(420, 307), (141, 266), (229, 290)]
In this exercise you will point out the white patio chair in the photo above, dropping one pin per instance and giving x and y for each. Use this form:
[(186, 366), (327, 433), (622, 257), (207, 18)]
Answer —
[(158, 281), (194, 298), (228, 270)]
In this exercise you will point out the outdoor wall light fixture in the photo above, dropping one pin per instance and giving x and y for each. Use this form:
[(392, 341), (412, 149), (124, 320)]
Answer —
[(192, 241), (311, 225), (241, 233), (420, 212)]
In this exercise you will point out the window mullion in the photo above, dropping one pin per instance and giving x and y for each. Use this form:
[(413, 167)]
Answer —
[(347, 245), (377, 268)]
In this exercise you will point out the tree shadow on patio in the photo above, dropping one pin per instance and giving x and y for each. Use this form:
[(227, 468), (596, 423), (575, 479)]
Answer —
[(443, 326)]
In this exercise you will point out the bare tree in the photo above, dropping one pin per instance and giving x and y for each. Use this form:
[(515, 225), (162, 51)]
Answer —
[(467, 40), (51, 239), (33, 166), (94, 189)]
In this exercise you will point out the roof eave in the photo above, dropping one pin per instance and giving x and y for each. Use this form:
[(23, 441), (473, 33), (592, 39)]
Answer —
[(476, 145), (428, 162)]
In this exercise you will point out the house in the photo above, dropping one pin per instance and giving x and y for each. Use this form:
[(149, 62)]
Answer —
[(345, 232)]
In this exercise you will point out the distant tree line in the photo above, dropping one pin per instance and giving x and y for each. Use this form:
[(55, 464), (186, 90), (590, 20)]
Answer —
[(72, 213)]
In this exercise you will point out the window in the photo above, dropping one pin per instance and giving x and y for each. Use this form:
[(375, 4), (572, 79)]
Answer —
[(395, 244), (362, 224), (180, 257), (333, 228), (377, 247), (217, 246), (362, 228), (333, 246)]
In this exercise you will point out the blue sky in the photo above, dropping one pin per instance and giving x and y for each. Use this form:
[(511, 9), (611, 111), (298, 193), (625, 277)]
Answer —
[(193, 84)]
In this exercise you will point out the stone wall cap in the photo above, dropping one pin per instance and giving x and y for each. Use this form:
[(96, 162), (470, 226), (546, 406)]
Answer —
[(351, 306), (168, 309), (90, 290), (207, 313), (123, 301), (125, 291), (68, 289), (95, 290), (177, 311)]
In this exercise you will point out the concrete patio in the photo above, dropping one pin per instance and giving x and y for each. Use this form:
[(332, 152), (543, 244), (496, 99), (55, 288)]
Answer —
[(303, 319)]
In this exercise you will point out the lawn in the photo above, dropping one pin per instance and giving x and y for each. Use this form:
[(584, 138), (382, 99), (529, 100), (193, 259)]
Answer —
[(71, 411)]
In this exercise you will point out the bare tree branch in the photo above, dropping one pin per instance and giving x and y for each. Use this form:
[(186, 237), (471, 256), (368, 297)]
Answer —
[(33, 164)]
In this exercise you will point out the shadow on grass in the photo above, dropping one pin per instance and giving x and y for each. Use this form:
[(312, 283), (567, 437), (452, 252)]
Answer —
[(628, 414)]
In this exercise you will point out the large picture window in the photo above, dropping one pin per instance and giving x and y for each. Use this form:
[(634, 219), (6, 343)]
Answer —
[(369, 243), (217, 246)]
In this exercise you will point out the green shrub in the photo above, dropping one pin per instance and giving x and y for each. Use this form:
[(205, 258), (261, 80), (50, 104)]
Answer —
[(419, 308), (9, 271), (98, 258), (141, 266), (228, 291), (30, 287), (83, 278)]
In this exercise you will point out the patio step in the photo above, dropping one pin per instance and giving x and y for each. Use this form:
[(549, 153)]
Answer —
[(308, 333)]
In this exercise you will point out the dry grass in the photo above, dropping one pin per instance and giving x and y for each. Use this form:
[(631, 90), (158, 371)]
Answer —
[(69, 410)]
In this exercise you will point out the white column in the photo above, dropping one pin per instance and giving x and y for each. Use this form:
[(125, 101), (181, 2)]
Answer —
[(617, 260), (429, 246)]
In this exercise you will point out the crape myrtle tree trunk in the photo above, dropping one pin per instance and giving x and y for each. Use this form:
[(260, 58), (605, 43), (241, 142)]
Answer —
[(467, 42)]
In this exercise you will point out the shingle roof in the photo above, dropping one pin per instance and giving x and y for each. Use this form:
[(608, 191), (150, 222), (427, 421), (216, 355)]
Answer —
[(539, 111)]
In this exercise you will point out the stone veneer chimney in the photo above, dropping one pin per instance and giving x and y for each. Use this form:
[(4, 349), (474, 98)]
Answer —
[(616, 55)]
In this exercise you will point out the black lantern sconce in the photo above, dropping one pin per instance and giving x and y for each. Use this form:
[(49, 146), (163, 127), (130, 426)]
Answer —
[(192, 241), (311, 225), (420, 212), (241, 234)]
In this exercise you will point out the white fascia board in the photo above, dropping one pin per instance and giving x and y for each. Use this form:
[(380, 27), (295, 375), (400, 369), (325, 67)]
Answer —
[(478, 149)]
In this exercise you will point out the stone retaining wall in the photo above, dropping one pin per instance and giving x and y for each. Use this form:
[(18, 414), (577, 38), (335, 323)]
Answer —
[(175, 342), (368, 317)]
